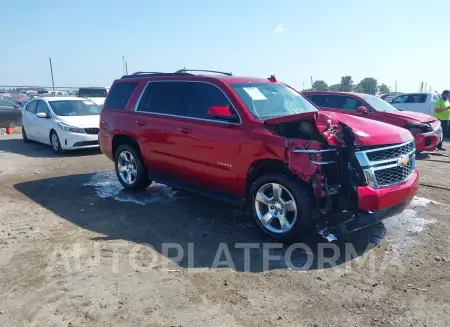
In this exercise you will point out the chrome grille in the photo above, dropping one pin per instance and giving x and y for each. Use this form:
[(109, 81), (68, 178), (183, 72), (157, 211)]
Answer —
[(387, 166), (394, 175), (391, 153), (91, 130)]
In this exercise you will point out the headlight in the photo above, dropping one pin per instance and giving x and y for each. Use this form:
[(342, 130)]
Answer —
[(69, 128)]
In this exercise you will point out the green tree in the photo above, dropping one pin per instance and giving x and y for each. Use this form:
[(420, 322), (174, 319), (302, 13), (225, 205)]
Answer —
[(335, 87), (383, 88), (320, 86), (358, 88), (346, 84), (369, 85)]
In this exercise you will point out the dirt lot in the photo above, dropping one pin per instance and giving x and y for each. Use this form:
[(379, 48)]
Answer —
[(75, 250)]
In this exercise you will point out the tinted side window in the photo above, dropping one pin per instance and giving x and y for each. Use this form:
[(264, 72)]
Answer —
[(162, 97), (337, 102), (42, 107), (198, 97), (31, 107), (400, 99), (318, 100), (119, 95), (416, 98)]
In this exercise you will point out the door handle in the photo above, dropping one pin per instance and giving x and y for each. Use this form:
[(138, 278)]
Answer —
[(140, 122), (185, 130)]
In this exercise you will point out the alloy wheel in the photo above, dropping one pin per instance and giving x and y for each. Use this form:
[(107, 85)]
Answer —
[(276, 208), (127, 167)]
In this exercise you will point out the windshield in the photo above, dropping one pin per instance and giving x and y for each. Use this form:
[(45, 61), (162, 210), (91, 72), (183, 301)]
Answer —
[(92, 93), (379, 104), (74, 108), (268, 100)]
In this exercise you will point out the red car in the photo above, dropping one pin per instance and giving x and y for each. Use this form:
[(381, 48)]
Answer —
[(426, 129), (257, 142)]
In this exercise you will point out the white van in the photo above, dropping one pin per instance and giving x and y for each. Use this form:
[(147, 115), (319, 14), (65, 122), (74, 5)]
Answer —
[(417, 102)]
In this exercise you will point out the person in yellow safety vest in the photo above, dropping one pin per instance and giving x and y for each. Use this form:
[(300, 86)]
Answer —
[(442, 112)]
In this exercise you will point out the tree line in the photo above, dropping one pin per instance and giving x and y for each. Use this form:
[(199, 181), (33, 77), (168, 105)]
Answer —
[(368, 85)]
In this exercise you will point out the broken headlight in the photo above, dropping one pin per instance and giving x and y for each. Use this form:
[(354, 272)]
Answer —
[(418, 128)]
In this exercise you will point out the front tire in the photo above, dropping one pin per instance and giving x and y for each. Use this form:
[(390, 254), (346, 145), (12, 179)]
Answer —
[(55, 143), (130, 168), (282, 207)]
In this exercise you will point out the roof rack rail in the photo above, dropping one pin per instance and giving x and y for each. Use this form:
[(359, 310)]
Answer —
[(184, 70), (154, 74)]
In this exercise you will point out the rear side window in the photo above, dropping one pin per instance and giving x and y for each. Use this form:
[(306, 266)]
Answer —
[(198, 97), (119, 95), (31, 107), (162, 97)]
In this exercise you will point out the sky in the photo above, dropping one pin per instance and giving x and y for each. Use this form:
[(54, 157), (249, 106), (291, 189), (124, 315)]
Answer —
[(399, 40)]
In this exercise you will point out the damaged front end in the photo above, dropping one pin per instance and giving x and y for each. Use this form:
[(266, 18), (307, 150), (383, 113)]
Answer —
[(331, 152)]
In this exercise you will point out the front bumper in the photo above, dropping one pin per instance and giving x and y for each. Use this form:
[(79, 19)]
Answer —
[(429, 141), (72, 141), (376, 199)]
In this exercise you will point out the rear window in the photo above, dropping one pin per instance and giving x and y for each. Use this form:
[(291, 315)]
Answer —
[(119, 95), (92, 92)]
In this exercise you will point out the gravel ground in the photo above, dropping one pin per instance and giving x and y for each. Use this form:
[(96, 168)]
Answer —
[(76, 250)]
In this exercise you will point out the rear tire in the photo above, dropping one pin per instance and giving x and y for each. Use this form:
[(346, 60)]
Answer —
[(282, 207), (130, 168)]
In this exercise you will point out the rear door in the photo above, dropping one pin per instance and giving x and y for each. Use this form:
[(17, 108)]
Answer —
[(157, 118)]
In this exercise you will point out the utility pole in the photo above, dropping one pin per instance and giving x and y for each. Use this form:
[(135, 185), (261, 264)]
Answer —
[(126, 68), (311, 82), (51, 72), (395, 85), (123, 65)]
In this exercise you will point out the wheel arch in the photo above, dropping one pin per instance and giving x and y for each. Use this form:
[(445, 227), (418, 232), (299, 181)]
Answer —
[(120, 139), (268, 166)]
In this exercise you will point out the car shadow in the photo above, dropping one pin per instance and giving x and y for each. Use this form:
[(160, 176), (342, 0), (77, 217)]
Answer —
[(39, 150), (207, 233)]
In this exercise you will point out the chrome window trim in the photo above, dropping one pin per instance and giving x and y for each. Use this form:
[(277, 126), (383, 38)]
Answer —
[(135, 109), (370, 167)]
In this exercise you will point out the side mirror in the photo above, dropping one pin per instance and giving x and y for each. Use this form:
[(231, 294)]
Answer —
[(362, 110), (221, 112), (42, 115)]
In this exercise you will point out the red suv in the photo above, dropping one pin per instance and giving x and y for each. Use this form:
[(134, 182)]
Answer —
[(426, 129), (259, 142)]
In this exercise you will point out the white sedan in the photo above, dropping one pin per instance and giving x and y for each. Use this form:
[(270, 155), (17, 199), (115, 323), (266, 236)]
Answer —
[(63, 123)]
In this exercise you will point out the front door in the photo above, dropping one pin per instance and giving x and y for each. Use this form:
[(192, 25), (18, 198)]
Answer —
[(208, 149), (43, 125), (340, 103)]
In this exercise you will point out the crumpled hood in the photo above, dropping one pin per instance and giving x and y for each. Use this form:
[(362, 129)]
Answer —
[(366, 132), (410, 116)]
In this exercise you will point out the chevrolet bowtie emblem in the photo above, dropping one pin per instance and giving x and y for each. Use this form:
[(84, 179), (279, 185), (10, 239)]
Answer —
[(403, 160)]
